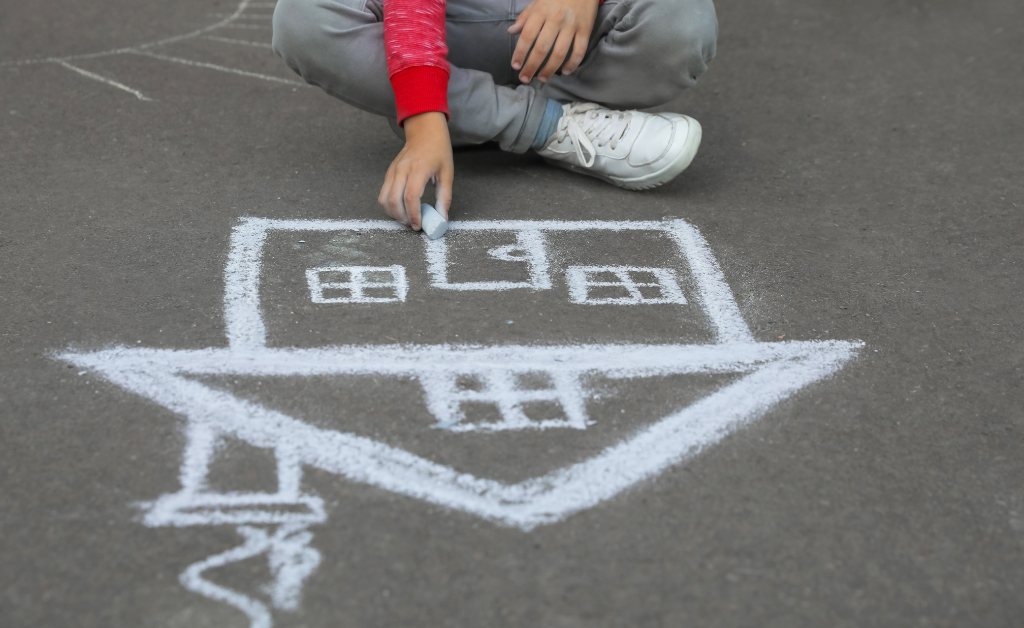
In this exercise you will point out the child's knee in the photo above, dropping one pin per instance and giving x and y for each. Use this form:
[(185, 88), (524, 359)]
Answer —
[(678, 40), (296, 28)]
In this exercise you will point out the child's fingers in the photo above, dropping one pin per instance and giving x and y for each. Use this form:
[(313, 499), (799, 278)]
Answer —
[(579, 50), (558, 53), (443, 190), (394, 201), (529, 33), (540, 52), (414, 187), (384, 199), (517, 26)]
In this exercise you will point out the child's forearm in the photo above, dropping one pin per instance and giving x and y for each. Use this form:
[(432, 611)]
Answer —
[(414, 42)]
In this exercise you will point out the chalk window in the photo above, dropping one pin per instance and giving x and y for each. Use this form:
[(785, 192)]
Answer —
[(357, 284), (622, 285)]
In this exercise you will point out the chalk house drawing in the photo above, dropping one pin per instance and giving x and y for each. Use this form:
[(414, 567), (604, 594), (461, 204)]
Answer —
[(278, 524)]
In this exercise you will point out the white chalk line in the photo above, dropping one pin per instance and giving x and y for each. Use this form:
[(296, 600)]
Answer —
[(213, 66), (290, 559), (499, 387), (712, 289), (242, 285), (530, 248), (192, 579), (614, 360), (241, 42), (251, 16), (252, 27), (357, 284), (105, 80), (242, 6), (579, 282), (271, 224)]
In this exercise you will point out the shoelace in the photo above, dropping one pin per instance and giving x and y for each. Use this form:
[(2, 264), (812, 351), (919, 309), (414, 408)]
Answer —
[(587, 123)]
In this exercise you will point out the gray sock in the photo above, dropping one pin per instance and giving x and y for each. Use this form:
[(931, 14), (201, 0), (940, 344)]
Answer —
[(548, 124)]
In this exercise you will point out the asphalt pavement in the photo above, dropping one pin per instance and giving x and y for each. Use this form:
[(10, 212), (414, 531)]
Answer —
[(813, 415)]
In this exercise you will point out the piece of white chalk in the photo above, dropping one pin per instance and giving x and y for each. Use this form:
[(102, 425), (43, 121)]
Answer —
[(432, 222)]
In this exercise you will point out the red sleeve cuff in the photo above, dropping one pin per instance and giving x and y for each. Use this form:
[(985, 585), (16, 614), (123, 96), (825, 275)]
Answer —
[(419, 89)]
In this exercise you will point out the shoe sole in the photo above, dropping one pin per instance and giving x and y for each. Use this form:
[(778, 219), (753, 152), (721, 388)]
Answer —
[(653, 180)]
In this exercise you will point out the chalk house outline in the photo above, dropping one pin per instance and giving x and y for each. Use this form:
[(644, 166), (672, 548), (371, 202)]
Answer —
[(277, 523)]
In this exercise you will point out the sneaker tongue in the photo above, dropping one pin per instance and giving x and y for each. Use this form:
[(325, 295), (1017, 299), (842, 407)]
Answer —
[(605, 126), (620, 126)]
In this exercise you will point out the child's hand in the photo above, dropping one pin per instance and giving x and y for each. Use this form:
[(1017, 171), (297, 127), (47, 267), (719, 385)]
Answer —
[(552, 25), (427, 156)]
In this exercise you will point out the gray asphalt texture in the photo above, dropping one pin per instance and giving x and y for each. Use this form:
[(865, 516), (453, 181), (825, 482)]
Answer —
[(860, 178)]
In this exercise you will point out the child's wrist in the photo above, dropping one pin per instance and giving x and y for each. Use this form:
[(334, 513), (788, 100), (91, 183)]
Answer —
[(428, 123)]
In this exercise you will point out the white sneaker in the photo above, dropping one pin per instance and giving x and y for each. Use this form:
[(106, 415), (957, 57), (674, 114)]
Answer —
[(630, 149)]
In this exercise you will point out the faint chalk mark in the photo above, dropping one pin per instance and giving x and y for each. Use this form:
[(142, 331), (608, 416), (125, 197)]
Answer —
[(254, 16), (242, 6), (105, 80), (255, 27), (241, 42), (145, 50), (213, 66)]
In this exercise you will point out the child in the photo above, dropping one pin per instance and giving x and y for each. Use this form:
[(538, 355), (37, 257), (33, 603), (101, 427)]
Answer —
[(526, 74)]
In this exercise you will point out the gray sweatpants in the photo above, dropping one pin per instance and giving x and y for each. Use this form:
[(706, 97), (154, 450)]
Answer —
[(642, 53)]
